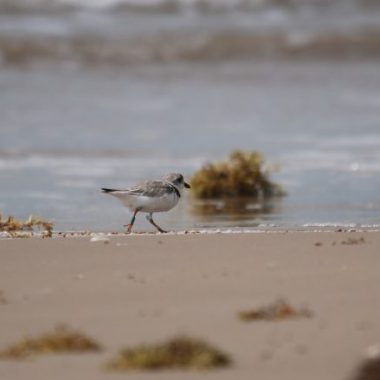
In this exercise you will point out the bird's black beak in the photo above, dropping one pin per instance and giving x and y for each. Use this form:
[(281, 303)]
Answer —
[(187, 185)]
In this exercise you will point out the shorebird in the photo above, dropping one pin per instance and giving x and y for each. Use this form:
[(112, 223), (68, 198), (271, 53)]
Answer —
[(151, 196)]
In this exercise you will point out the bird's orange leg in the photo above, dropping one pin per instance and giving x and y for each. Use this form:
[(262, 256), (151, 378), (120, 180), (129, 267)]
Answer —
[(150, 219), (130, 225)]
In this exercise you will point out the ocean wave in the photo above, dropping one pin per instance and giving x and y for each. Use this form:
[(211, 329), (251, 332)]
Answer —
[(94, 166), (89, 32), (191, 47), (170, 6)]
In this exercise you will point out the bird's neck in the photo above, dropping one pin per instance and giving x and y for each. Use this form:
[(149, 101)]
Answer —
[(176, 189)]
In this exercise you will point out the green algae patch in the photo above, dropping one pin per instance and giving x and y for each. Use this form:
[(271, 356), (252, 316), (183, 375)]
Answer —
[(242, 174), (20, 228), (277, 311), (60, 340), (178, 353)]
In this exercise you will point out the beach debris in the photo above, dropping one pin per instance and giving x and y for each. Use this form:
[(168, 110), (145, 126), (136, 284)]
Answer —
[(180, 352), (99, 237), (242, 174), (277, 311), (79, 276), (122, 244), (353, 241), (60, 340), (3, 300), (368, 370), (19, 228), (350, 241), (318, 244)]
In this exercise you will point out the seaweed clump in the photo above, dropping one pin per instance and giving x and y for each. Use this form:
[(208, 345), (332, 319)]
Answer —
[(60, 340), (353, 241), (369, 370), (180, 352), (16, 228), (243, 174), (277, 311)]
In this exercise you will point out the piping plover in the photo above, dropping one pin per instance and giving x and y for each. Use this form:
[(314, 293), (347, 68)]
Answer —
[(151, 196)]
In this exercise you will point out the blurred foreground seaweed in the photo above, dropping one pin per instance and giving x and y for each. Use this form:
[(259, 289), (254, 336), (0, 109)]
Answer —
[(243, 174), (60, 340), (180, 352), (16, 227), (277, 311), (368, 370)]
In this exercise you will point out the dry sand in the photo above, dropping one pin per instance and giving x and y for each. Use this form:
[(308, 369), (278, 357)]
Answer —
[(142, 289)]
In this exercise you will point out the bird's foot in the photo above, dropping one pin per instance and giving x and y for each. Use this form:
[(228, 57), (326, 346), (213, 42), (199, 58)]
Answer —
[(129, 228), (151, 221)]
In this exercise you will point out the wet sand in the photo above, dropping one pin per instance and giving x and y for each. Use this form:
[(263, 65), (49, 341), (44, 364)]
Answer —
[(145, 288)]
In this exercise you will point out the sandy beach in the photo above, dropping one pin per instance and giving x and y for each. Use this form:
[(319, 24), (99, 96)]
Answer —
[(146, 288)]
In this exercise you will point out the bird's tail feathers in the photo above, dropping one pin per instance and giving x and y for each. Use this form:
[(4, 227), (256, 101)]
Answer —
[(108, 190)]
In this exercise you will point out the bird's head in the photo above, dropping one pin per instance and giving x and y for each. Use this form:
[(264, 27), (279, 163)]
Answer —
[(177, 180)]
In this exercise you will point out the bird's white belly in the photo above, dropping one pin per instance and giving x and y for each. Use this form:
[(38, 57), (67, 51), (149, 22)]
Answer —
[(150, 204)]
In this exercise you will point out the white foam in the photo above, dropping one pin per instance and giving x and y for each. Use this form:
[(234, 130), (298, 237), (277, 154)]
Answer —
[(99, 237), (5, 235)]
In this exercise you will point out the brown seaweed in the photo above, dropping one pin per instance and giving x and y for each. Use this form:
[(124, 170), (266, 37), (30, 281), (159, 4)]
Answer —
[(180, 352), (277, 311), (243, 174), (16, 227), (368, 370), (60, 340)]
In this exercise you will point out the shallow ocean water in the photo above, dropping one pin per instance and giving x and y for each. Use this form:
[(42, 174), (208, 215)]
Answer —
[(108, 93), (67, 131)]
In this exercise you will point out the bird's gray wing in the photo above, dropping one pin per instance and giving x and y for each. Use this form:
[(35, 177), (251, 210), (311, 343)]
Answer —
[(151, 189)]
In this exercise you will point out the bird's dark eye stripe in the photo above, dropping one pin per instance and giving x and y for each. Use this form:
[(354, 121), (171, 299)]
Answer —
[(174, 189)]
